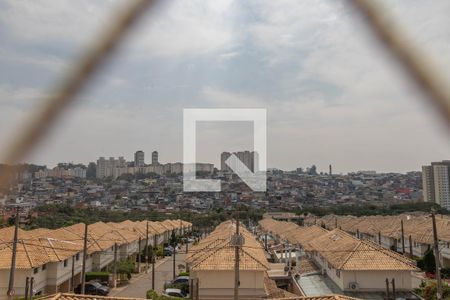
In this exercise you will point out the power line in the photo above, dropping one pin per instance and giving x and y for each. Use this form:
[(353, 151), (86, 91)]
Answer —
[(417, 65)]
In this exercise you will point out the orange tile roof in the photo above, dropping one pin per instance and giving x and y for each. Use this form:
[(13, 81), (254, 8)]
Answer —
[(216, 252), (30, 254), (346, 252), (40, 246), (418, 226)]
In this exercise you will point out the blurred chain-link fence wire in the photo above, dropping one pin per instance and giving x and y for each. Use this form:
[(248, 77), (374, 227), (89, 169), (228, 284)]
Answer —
[(418, 67)]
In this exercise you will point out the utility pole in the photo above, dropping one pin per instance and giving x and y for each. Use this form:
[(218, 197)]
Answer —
[(27, 283), (155, 240), (146, 249), (11, 290), (393, 289), (290, 259), (31, 288), (411, 252), (236, 265), (83, 267), (403, 237), (72, 275), (388, 296), (173, 261), (139, 255), (265, 242), (286, 251), (436, 257), (115, 266)]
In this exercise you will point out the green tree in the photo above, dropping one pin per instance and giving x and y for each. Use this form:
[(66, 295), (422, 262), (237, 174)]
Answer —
[(126, 267), (429, 291), (428, 262), (173, 239)]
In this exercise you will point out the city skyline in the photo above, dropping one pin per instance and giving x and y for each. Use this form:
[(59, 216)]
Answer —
[(323, 97), (219, 165)]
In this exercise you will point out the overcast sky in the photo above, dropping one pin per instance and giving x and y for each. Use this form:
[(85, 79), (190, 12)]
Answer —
[(332, 96)]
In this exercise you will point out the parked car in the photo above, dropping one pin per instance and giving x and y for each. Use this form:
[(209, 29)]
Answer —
[(181, 280), (175, 293), (93, 288), (167, 252), (181, 283), (188, 240)]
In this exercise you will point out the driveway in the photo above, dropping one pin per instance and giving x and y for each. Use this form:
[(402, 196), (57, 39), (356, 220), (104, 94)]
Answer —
[(141, 283)]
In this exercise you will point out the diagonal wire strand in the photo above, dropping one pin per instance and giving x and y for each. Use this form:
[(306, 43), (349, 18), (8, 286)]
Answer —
[(81, 73), (417, 65)]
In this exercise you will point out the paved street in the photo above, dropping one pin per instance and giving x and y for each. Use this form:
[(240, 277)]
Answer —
[(143, 282)]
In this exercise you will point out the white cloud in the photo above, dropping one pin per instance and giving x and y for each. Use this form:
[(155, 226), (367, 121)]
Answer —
[(20, 98), (187, 28), (216, 97), (332, 96)]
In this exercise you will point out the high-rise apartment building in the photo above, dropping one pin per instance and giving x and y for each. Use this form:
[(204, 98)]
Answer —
[(248, 158), (110, 167), (155, 158), (101, 167), (139, 159), (428, 184), (223, 157), (436, 183)]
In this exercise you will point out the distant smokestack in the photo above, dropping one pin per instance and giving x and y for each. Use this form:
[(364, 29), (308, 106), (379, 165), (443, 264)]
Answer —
[(331, 171)]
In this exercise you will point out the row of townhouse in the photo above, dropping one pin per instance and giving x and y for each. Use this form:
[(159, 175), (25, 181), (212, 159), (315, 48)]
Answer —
[(54, 257), (417, 237), (352, 264), (212, 268)]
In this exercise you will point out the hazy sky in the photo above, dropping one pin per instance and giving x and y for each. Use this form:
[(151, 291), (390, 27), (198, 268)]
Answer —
[(332, 96)]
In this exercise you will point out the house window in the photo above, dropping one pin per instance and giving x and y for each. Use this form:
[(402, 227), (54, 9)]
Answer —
[(35, 270), (65, 263), (338, 273), (77, 257), (44, 267)]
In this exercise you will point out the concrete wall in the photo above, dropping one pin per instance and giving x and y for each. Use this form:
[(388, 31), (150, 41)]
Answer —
[(102, 258), (367, 280), (220, 284), (388, 242), (376, 280), (55, 277), (58, 275), (332, 273), (19, 282), (445, 256)]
